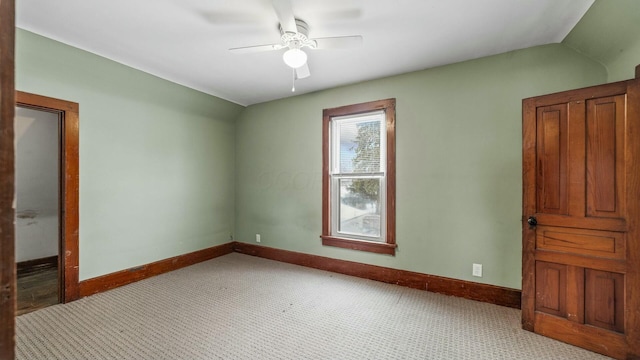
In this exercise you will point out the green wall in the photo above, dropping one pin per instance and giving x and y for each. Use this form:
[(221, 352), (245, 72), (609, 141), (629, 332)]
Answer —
[(459, 183), (623, 67), (610, 34), (156, 159), (160, 164)]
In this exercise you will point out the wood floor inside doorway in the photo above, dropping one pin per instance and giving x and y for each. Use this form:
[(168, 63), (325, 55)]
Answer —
[(37, 286)]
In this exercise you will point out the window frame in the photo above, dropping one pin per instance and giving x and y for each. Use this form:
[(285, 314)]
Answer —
[(388, 106), (336, 176)]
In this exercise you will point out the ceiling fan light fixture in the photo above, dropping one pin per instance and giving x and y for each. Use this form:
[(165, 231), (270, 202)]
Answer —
[(294, 58)]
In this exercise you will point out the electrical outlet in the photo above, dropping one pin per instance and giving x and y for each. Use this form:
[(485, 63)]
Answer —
[(477, 270), (257, 237)]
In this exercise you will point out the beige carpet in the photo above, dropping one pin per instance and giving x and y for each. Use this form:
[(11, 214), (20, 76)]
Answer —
[(242, 307)]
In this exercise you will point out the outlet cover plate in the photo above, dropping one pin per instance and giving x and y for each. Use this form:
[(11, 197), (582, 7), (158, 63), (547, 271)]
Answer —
[(477, 270)]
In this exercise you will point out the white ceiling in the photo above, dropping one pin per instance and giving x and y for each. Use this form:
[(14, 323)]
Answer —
[(187, 41)]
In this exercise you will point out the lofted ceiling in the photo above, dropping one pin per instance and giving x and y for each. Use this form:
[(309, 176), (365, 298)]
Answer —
[(187, 41)]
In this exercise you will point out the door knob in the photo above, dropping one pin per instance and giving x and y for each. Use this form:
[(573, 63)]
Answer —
[(532, 221)]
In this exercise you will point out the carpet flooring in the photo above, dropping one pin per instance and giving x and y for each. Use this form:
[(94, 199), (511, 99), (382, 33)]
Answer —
[(243, 307)]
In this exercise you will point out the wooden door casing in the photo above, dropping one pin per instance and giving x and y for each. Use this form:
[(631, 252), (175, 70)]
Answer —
[(68, 267), (7, 181), (581, 156)]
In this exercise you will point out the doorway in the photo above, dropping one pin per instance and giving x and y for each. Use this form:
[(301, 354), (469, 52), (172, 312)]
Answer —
[(37, 223), (47, 184)]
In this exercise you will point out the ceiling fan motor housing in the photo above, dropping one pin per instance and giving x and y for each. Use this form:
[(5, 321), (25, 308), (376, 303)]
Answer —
[(298, 39)]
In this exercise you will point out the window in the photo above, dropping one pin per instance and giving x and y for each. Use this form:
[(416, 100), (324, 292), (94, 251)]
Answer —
[(358, 177)]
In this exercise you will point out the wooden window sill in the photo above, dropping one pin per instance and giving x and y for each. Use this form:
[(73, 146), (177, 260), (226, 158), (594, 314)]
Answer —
[(361, 245)]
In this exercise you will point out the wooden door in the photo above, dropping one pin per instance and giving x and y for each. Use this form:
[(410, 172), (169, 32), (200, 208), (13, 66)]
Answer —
[(581, 209)]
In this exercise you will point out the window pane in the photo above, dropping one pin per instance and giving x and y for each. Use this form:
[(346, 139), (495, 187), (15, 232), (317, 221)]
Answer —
[(360, 146), (359, 207)]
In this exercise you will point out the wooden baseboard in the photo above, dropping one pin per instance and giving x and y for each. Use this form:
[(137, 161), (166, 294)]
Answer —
[(461, 288), (465, 289), (27, 265), (128, 276)]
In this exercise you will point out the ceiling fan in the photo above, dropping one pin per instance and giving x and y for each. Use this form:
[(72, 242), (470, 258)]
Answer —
[(294, 36)]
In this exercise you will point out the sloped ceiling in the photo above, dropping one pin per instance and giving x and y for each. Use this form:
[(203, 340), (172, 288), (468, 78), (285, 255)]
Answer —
[(187, 41)]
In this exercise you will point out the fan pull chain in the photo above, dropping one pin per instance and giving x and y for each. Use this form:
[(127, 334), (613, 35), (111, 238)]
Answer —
[(293, 81)]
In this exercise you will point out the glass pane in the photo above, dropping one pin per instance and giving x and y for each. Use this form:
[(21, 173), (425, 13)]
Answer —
[(360, 146), (360, 207)]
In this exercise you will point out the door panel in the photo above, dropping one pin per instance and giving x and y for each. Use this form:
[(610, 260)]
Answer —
[(590, 262), (552, 155), (581, 261), (605, 244), (604, 301), (551, 288), (605, 157)]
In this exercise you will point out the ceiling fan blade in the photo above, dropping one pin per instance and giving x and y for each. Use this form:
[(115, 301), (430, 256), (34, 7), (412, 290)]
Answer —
[(284, 11), (253, 49), (303, 71), (339, 42)]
